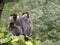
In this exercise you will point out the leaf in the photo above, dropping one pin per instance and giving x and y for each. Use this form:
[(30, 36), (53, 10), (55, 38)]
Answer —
[(28, 43), (1, 35), (21, 37), (16, 39), (38, 43), (4, 40)]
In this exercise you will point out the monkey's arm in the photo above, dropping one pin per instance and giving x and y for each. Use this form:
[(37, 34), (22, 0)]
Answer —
[(18, 28)]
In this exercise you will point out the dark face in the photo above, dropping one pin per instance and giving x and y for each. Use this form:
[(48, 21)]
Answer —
[(14, 16), (11, 25)]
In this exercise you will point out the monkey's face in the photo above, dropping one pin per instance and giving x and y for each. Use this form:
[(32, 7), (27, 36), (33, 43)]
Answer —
[(26, 15), (13, 18), (11, 25)]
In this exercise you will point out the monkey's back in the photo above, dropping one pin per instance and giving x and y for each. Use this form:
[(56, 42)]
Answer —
[(26, 26)]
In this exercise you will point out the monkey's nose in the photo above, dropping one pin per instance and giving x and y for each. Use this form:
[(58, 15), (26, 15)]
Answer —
[(14, 17)]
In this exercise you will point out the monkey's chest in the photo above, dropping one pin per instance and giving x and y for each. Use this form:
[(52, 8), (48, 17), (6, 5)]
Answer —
[(26, 25), (15, 31)]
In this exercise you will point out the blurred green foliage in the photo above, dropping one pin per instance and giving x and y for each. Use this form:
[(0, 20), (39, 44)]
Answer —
[(45, 16)]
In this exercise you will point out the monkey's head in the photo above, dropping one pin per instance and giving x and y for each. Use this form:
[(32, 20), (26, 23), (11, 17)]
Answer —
[(11, 25), (13, 17), (25, 14)]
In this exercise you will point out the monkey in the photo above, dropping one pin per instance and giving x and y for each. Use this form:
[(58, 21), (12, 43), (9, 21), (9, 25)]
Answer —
[(26, 25), (14, 24), (27, 21), (14, 18)]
